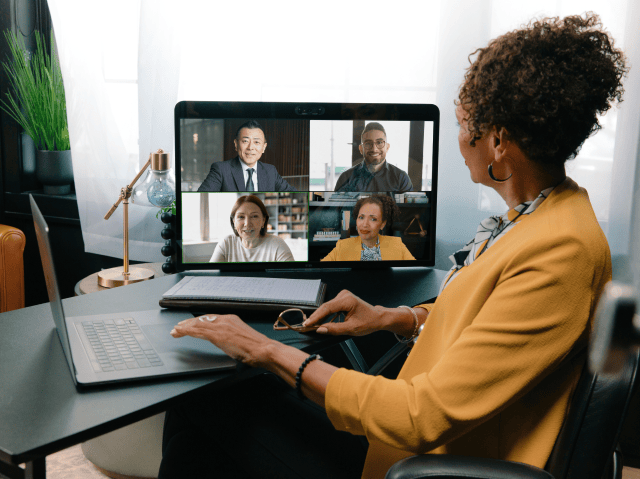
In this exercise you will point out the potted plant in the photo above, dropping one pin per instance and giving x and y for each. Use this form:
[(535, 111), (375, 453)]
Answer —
[(37, 103)]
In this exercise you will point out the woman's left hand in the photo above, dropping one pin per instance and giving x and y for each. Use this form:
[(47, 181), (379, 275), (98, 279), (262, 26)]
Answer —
[(229, 333)]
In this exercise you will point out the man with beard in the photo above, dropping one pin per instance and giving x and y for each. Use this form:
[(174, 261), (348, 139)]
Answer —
[(374, 173)]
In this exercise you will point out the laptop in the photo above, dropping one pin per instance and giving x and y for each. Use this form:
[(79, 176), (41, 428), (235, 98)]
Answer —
[(112, 348)]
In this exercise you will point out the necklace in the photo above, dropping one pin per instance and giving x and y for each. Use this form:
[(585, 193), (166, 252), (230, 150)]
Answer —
[(365, 247)]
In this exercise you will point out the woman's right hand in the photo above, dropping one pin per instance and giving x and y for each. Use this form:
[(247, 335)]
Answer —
[(361, 318)]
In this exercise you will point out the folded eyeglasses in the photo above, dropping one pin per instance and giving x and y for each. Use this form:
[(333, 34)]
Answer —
[(293, 318)]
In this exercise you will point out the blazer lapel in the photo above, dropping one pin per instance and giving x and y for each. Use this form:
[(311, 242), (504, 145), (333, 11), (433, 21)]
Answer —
[(263, 179), (355, 251), (385, 246), (238, 174)]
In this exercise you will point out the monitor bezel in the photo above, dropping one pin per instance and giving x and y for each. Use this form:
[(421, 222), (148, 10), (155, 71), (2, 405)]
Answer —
[(306, 111)]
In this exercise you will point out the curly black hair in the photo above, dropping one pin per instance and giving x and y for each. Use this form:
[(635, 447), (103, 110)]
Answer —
[(545, 84), (388, 207)]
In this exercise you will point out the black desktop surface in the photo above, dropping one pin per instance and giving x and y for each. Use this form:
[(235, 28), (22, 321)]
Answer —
[(42, 412)]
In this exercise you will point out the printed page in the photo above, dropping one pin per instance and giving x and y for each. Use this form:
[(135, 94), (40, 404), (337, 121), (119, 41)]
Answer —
[(276, 290)]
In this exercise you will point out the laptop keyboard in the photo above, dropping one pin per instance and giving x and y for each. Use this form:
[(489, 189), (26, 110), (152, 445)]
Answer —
[(119, 344)]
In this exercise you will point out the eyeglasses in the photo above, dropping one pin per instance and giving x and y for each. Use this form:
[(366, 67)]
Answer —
[(293, 318), (369, 144)]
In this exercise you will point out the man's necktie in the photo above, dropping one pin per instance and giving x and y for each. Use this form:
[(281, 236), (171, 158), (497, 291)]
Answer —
[(250, 186)]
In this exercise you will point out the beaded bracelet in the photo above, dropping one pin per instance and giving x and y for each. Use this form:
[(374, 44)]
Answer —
[(415, 329), (299, 373)]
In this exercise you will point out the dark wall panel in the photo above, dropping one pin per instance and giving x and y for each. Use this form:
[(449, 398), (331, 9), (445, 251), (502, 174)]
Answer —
[(416, 154), (358, 128)]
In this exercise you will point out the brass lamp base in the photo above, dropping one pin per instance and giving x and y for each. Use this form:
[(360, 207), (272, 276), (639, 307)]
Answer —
[(113, 277)]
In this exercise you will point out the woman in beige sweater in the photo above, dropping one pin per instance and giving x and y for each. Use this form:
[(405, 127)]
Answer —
[(498, 354)]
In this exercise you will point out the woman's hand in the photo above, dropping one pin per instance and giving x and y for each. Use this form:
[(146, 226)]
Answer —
[(229, 333), (245, 344), (361, 318)]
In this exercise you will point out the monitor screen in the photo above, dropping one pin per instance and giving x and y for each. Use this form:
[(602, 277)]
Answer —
[(272, 185)]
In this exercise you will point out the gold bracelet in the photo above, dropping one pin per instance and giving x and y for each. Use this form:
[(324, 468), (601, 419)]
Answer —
[(415, 329)]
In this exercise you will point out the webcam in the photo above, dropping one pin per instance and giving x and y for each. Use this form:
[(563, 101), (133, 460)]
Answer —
[(305, 111)]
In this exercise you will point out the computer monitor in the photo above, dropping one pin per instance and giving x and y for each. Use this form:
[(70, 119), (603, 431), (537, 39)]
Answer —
[(314, 164)]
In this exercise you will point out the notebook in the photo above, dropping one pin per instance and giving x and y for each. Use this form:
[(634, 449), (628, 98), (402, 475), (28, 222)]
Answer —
[(119, 347), (235, 294), (261, 290)]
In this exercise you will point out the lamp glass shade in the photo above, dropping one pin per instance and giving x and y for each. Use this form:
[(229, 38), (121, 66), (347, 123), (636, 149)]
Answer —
[(157, 189)]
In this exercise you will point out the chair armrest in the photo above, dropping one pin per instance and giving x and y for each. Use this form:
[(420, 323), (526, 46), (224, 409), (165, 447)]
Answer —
[(444, 466), (12, 242)]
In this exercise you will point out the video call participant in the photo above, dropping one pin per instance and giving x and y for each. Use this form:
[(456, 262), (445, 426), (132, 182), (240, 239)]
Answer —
[(373, 214), (374, 173), (245, 172), (250, 241)]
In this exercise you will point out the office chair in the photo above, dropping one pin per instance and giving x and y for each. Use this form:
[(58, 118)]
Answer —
[(585, 448), (12, 242)]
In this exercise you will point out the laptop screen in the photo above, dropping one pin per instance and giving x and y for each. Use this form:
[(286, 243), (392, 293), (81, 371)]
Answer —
[(55, 300), (290, 185)]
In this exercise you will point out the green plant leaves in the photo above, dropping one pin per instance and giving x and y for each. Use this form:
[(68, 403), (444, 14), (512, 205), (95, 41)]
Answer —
[(168, 209), (37, 101)]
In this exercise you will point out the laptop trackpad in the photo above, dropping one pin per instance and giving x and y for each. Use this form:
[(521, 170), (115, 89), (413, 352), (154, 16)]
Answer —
[(163, 342)]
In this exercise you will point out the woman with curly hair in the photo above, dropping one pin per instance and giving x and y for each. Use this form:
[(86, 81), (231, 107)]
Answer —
[(373, 214), (497, 356)]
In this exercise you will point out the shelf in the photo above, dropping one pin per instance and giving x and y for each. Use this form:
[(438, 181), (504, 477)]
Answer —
[(340, 204), (61, 209), (277, 208), (332, 203)]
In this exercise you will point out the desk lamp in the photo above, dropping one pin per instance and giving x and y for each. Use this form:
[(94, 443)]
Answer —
[(157, 189)]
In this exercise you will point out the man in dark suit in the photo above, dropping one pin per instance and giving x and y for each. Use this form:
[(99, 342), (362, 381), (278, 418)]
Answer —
[(245, 172)]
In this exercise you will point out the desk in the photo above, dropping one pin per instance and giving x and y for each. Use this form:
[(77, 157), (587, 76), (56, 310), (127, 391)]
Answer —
[(41, 412)]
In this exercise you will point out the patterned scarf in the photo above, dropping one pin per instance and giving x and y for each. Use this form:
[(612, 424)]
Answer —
[(371, 254), (489, 231)]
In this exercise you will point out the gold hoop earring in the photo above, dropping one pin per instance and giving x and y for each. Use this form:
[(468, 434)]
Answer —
[(497, 180)]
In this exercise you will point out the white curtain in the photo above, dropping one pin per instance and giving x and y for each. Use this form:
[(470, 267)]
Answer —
[(126, 64), (98, 49)]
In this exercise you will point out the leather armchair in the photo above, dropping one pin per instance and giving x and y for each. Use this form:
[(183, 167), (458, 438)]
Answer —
[(12, 242), (585, 447)]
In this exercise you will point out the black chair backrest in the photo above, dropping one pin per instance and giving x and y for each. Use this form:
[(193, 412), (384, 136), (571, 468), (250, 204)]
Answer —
[(590, 432)]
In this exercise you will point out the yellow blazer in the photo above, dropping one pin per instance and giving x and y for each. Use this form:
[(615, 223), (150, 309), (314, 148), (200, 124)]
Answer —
[(494, 369), (391, 248)]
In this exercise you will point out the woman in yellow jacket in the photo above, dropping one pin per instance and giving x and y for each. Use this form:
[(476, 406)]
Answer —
[(373, 214), (497, 356)]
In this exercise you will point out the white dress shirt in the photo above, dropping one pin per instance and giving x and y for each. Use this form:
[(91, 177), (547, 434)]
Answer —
[(254, 175)]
